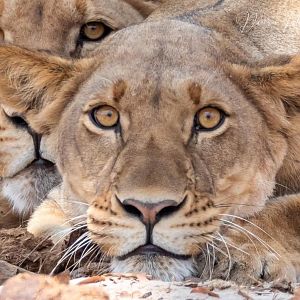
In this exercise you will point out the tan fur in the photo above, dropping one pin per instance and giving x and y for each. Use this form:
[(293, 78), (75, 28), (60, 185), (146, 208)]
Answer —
[(156, 154), (50, 26)]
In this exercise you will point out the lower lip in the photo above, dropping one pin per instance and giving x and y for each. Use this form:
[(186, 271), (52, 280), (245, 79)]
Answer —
[(151, 250)]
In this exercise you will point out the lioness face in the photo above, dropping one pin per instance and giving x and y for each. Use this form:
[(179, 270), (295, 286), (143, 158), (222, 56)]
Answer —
[(165, 148)]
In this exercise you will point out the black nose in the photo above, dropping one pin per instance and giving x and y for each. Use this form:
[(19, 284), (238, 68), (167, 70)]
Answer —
[(36, 141), (150, 213)]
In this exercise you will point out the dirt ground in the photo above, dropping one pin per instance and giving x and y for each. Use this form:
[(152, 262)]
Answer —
[(7, 218)]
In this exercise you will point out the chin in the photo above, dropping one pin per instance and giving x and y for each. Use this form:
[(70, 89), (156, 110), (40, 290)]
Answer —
[(159, 267)]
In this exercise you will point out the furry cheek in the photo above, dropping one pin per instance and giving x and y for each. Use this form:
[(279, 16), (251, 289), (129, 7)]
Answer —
[(115, 234)]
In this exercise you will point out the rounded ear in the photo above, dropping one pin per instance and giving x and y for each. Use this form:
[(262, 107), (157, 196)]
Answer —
[(274, 88), (32, 83), (145, 7)]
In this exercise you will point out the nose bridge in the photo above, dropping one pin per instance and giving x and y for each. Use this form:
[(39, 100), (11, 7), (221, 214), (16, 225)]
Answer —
[(153, 171)]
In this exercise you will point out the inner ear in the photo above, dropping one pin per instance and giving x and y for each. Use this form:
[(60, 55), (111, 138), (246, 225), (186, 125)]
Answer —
[(274, 88), (49, 116), (31, 82), (144, 7)]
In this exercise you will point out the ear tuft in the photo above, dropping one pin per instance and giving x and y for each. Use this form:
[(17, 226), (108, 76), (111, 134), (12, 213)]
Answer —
[(145, 7), (28, 79), (31, 81), (275, 89)]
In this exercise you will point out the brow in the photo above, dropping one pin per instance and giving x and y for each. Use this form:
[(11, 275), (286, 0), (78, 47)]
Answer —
[(81, 7)]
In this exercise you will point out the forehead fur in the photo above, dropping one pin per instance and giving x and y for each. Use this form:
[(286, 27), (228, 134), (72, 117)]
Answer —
[(159, 42), (168, 61)]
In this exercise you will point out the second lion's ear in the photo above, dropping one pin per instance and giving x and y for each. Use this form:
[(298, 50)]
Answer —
[(145, 7), (32, 83)]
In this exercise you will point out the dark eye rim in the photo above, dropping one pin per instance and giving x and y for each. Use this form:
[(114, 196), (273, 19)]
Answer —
[(18, 121), (3, 34), (97, 123), (199, 128), (84, 38)]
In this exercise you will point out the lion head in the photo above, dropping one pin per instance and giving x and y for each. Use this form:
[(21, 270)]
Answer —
[(165, 148)]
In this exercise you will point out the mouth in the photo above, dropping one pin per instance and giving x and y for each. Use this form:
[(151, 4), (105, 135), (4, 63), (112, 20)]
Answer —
[(36, 165), (152, 250), (41, 162)]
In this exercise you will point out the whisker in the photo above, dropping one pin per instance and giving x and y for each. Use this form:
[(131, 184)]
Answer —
[(244, 233), (69, 251), (216, 247), (86, 252), (209, 262), (249, 222), (229, 255), (268, 247), (237, 204), (230, 244), (204, 268), (72, 254), (64, 233)]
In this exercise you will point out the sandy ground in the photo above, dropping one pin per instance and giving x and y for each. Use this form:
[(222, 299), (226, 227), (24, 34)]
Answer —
[(136, 286), (120, 288)]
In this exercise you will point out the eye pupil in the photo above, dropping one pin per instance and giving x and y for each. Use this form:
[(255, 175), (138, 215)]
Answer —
[(208, 115)]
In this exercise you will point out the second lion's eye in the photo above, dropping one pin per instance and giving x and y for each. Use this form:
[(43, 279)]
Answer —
[(105, 116), (94, 31)]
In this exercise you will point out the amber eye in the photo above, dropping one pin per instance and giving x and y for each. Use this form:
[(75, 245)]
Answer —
[(105, 116), (1, 35), (209, 118), (94, 31)]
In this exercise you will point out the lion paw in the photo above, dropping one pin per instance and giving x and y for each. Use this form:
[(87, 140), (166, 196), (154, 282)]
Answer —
[(247, 264)]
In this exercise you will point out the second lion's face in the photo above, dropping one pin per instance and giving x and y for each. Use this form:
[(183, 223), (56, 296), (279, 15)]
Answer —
[(69, 28)]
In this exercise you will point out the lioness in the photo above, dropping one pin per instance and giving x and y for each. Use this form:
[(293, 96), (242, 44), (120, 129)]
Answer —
[(69, 28), (164, 154)]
